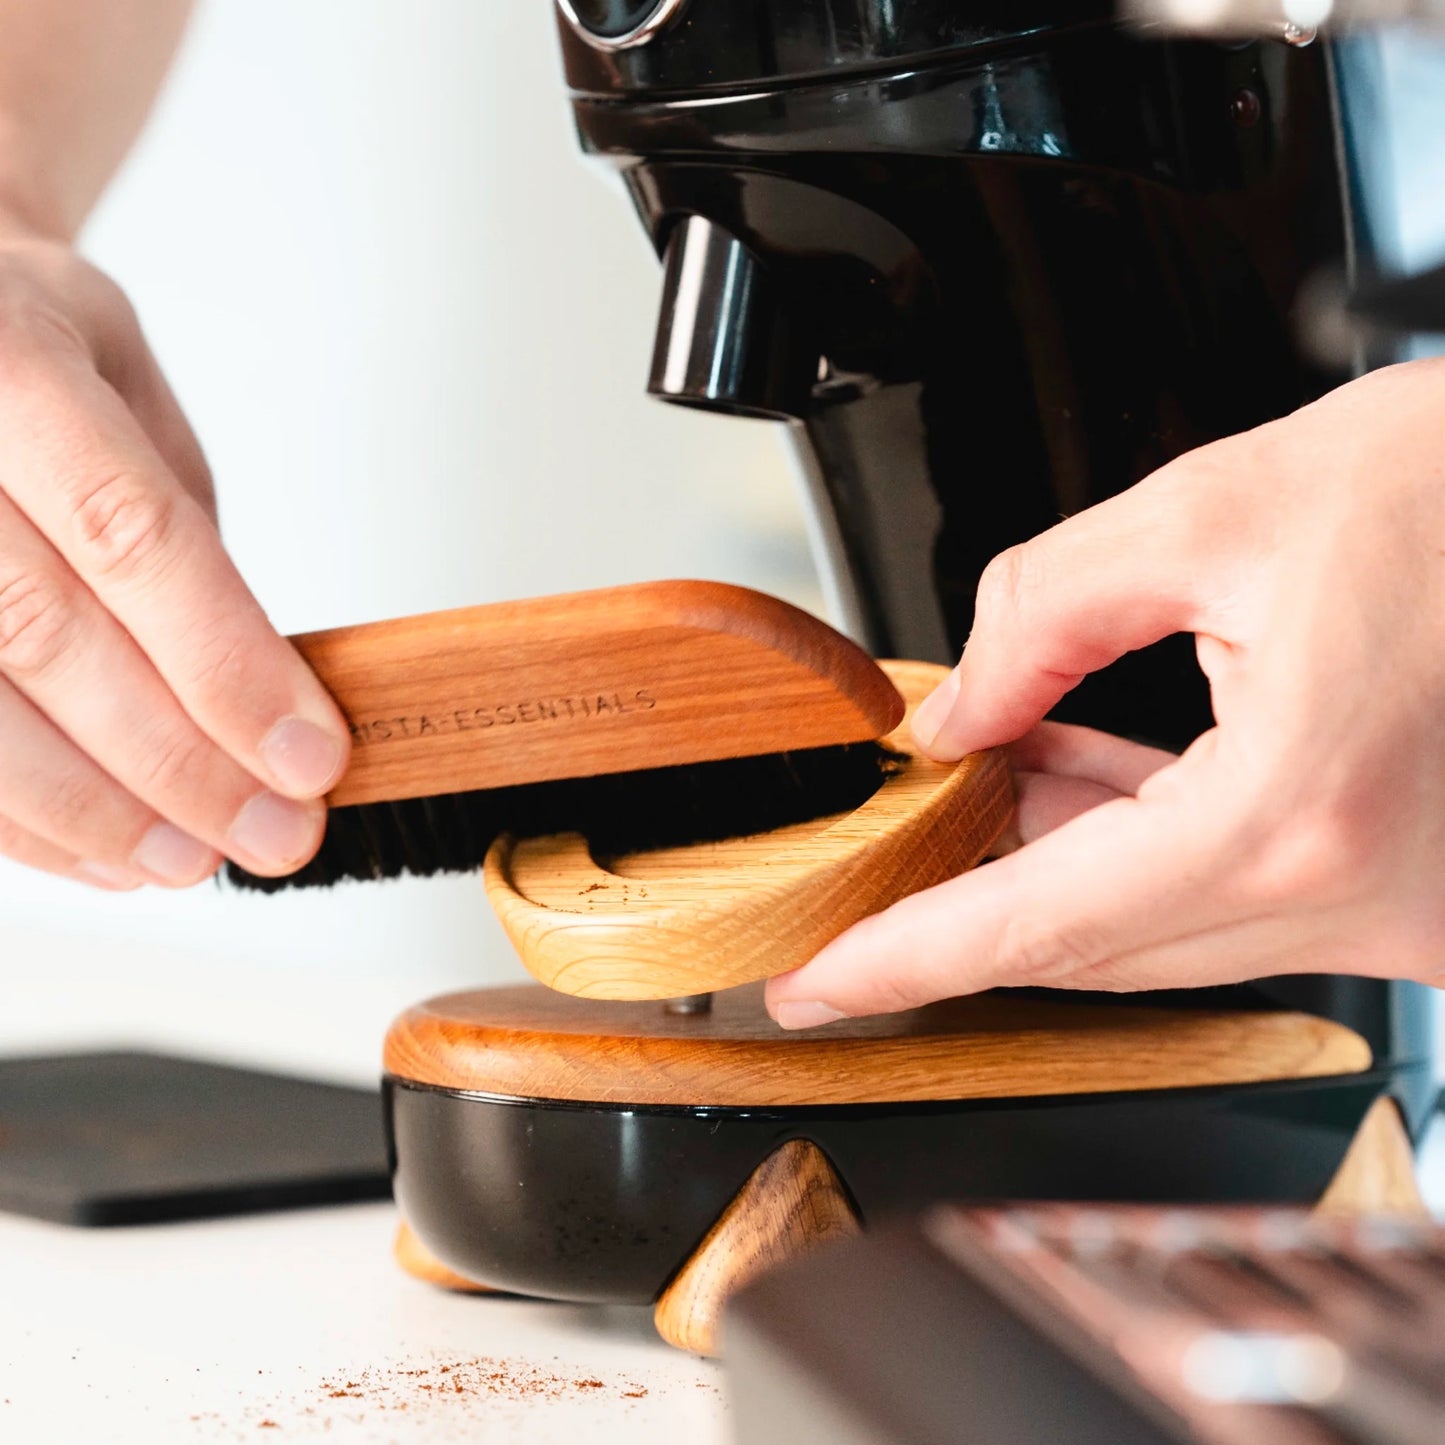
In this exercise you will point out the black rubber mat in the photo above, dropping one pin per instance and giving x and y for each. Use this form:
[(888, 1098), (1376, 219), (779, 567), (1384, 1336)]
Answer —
[(134, 1138)]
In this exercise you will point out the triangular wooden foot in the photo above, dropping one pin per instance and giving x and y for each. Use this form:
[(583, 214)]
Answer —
[(792, 1202), (419, 1262), (1377, 1174)]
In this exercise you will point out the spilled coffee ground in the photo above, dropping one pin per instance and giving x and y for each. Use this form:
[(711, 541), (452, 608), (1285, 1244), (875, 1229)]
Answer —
[(432, 1400), (513, 1380)]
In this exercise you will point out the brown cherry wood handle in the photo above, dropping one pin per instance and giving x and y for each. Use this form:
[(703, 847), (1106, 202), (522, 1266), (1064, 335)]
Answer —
[(642, 676)]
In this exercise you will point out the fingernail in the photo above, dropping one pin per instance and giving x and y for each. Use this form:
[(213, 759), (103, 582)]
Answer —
[(276, 833), (805, 1015), (303, 758), (106, 875), (171, 856), (932, 715)]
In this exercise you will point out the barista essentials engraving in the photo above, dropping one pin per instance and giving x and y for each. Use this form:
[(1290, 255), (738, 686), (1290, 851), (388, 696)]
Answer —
[(583, 707)]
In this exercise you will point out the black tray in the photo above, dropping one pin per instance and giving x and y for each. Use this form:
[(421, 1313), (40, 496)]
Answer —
[(135, 1138)]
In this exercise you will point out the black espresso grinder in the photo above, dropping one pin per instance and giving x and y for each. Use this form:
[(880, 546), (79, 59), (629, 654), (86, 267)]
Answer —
[(989, 263)]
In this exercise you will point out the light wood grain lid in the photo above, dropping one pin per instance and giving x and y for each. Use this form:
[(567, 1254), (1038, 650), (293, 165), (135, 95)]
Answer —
[(686, 920)]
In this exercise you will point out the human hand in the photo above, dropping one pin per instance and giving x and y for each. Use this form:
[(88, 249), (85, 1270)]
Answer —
[(1305, 832), (153, 719)]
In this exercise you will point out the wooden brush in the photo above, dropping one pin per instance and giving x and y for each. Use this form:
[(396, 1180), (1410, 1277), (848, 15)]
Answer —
[(643, 716)]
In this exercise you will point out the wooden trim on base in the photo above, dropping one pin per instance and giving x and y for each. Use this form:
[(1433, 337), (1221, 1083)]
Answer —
[(1377, 1174), (792, 1202), (419, 1262)]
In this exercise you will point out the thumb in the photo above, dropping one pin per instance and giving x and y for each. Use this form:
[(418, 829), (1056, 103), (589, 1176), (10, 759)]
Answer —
[(1127, 879), (1070, 601)]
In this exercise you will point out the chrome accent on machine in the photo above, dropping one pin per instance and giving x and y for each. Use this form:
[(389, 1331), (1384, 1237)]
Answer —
[(663, 14)]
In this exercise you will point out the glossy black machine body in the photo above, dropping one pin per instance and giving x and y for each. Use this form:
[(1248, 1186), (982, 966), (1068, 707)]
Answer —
[(992, 262), (606, 1202)]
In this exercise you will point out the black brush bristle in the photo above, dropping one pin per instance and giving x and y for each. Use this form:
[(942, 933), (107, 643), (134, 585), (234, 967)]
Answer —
[(618, 813)]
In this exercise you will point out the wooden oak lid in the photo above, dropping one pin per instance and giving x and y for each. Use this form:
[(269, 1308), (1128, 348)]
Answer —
[(530, 1042), (688, 920)]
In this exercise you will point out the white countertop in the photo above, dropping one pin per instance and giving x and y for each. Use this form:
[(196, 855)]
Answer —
[(205, 1332), (293, 1326), (300, 1327)]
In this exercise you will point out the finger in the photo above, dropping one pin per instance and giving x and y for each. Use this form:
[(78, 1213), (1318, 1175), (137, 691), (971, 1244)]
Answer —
[(1115, 763), (1238, 950), (52, 790), (112, 331), (81, 468), (21, 846), (61, 649), (1132, 874), (1049, 612), (145, 390), (1044, 802), (1061, 771)]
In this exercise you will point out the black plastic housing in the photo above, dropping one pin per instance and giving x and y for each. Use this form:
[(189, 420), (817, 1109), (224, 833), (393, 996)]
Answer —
[(602, 1202)]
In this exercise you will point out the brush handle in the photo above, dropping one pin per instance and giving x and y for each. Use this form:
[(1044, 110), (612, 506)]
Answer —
[(644, 676)]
